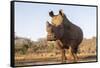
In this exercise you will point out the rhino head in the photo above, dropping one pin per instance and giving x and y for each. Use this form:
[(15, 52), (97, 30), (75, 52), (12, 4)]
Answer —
[(54, 32)]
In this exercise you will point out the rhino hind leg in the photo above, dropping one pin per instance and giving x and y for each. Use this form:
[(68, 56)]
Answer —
[(73, 53)]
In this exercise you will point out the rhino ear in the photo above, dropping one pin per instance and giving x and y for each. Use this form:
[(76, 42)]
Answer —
[(61, 12), (51, 14), (48, 24)]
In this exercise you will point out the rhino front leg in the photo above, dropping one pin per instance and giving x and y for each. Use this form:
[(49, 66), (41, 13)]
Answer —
[(63, 56), (60, 46)]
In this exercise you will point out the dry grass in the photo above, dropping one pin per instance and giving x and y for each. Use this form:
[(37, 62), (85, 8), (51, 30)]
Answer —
[(87, 52), (47, 56)]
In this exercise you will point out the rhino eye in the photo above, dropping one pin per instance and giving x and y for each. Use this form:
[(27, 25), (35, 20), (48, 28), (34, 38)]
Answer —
[(50, 30)]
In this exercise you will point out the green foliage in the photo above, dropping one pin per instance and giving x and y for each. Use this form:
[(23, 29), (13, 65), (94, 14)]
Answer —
[(25, 48)]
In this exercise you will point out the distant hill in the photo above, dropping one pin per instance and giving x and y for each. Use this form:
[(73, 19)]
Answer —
[(20, 42)]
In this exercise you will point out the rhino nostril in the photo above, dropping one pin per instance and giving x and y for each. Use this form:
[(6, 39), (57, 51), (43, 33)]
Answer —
[(54, 36)]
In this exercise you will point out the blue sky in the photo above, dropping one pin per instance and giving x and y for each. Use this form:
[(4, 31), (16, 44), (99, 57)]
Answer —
[(30, 18)]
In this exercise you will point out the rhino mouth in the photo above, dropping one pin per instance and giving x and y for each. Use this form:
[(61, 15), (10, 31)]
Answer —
[(51, 38)]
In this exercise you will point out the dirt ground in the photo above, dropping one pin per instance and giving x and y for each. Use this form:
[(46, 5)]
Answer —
[(50, 58)]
